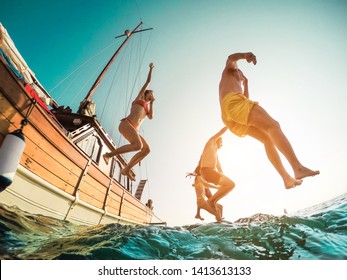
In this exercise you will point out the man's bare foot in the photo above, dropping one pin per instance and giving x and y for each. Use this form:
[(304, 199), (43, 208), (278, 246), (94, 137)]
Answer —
[(106, 158), (219, 218), (127, 173), (292, 183), (199, 217), (220, 209), (304, 172), (216, 211)]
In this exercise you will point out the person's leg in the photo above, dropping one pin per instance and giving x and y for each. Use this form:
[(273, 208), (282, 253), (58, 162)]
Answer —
[(145, 150), (130, 134), (212, 210), (261, 120), (220, 209), (273, 156), (226, 186), (198, 216)]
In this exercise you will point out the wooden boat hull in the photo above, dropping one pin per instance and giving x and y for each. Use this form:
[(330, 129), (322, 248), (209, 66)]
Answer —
[(55, 177)]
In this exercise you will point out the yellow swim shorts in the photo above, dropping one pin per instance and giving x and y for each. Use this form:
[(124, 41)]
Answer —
[(235, 111)]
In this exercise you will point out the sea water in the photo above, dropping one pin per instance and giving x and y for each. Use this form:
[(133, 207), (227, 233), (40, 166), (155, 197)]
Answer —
[(317, 233)]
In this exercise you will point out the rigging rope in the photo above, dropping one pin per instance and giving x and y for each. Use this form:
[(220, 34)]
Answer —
[(141, 62), (112, 84), (78, 68), (97, 70)]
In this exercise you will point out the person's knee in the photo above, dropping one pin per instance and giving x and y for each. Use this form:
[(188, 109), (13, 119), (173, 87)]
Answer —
[(273, 126), (230, 185), (227, 183), (145, 150), (137, 146)]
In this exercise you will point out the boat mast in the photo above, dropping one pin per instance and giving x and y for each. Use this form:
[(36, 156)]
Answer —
[(88, 97)]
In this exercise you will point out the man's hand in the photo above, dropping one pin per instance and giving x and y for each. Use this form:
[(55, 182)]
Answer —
[(250, 57)]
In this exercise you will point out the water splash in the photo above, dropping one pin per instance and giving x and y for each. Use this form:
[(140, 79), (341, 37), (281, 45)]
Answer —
[(319, 232)]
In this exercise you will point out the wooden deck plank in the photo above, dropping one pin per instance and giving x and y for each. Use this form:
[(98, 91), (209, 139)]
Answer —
[(57, 162), (98, 175), (113, 206), (41, 120), (48, 141), (117, 189), (93, 189), (90, 200), (45, 174)]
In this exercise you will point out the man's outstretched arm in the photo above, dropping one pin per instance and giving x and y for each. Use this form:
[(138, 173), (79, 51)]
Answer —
[(233, 58), (219, 133)]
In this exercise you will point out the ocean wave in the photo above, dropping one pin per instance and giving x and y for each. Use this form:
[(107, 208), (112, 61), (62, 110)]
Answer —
[(319, 232)]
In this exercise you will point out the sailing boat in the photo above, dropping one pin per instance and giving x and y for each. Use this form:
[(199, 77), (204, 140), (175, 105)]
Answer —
[(60, 172)]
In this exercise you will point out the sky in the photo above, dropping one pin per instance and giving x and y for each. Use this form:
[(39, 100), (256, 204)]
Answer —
[(299, 79)]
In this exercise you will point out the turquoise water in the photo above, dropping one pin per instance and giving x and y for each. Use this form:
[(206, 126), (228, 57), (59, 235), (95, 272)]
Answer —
[(319, 232)]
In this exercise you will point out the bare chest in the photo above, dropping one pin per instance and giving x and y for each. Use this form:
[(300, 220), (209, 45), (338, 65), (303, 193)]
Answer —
[(230, 83)]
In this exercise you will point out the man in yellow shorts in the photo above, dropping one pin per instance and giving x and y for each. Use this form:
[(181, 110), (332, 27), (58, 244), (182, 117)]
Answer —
[(245, 117)]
